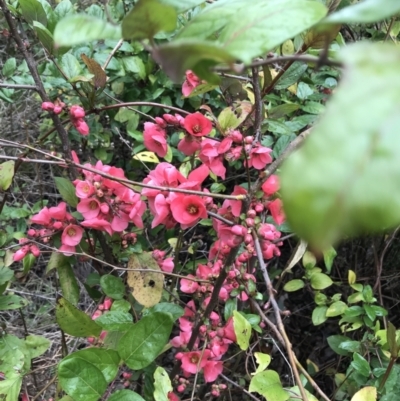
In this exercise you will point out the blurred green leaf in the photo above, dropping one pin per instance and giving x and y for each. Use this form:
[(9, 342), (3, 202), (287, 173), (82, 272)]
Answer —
[(6, 174), (32, 10)]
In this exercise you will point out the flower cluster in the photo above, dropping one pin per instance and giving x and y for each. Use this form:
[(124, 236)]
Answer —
[(56, 107), (76, 115), (106, 204)]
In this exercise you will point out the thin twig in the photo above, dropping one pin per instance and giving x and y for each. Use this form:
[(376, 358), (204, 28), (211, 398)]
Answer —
[(238, 386), (111, 55), (17, 86)]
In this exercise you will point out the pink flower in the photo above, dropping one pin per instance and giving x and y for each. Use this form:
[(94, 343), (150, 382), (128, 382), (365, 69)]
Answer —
[(34, 250), (276, 209), (189, 145), (271, 185), (154, 138), (172, 396), (76, 112), (173, 120), (167, 265), (211, 370), (21, 253), (71, 235), (191, 82), (84, 189), (193, 361), (98, 224), (48, 106), (89, 208), (58, 212), (188, 209), (197, 125), (43, 217), (189, 286), (137, 211), (211, 158), (81, 126), (235, 205), (229, 331), (161, 209), (259, 157), (181, 340), (67, 250)]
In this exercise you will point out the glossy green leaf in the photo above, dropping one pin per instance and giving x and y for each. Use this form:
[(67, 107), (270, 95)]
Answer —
[(294, 285), (360, 365), (178, 56), (112, 286), (320, 281), (115, 320), (242, 329), (32, 10), (6, 174), (8, 302), (319, 315), (75, 322), (336, 309), (329, 256), (365, 12), (80, 379), (147, 18), (246, 32), (333, 186), (56, 259), (145, 340), (106, 360), (162, 384), (335, 341), (36, 345), (66, 190), (120, 305), (125, 395), (174, 310), (268, 384), (82, 28), (351, 346)]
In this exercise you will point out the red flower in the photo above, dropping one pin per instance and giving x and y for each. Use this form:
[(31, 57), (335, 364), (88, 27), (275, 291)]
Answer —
[(276, 209), (188, 209), (154, 138), (271, 185), (197, 125)]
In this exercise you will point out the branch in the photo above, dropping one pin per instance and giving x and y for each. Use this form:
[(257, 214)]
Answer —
[(17, 86), (30, 61)]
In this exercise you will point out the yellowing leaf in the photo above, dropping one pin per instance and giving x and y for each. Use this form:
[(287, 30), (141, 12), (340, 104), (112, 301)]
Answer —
[(365, 394), (149, 157), (242, 329), (263, 360), (173, 242), (351, 277), (100, 77), (146, 287)]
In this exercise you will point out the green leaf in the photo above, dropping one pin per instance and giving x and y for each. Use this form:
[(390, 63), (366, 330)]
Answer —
[(56, 259), (269, 385), (293, 285), (8, 70), (282, 110), (360, 365), (303, 91), (112, 286), (351, 346), (263, 361), (336, 309), (37, 345), (242, 329), (329, 256), (174, 310), (32, 10), (281, 144), (6, 174), (162, 385), (365, 12), (147, 18), (182, 6), (8, 302), (120, 305), (28, 262), (11, 387), (332, 187), (68, 282), (6, 274), (106, 360), (75, 322), (296, 397), (180, 55), (145, 340), (202, 89), (80, 379), (335, 341), (246, 32), (81, 28), (227, 119), (135, 64), (391, 339), (115, 321), (125, 395), (319, 315), (320, 281), (66, 189)]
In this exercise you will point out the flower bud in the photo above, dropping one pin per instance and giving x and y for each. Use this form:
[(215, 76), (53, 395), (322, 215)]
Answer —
[(77, 112), (48, 106)]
